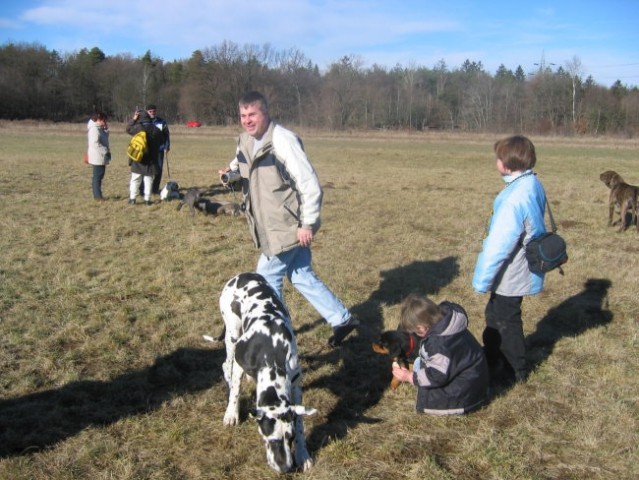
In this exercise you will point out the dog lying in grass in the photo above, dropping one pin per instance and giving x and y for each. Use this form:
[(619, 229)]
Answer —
[(208, 207), (401, 346), (622, 195)]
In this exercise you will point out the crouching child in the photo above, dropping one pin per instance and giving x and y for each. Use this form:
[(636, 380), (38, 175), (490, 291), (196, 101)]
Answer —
[(451, 372)]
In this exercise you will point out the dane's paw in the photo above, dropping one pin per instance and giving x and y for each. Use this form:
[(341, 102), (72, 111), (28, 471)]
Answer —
[(231, 419), (307, 465), (303, 460)]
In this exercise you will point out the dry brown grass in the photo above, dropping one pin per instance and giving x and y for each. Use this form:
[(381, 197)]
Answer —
[(105, 374)]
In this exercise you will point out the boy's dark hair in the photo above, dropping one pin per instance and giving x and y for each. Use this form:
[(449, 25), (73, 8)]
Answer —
[(418, 310), (517, 153), (249, 98)]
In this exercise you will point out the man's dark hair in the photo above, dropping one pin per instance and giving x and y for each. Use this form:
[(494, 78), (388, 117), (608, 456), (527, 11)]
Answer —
[(249, 98)]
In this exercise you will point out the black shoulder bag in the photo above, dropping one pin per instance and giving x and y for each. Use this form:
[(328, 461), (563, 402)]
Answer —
[(548, 251)]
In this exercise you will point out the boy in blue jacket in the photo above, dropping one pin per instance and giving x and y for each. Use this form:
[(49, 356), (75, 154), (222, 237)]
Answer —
[(502, 269)]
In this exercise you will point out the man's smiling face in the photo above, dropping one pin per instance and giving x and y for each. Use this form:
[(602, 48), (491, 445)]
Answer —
[(254, 120)]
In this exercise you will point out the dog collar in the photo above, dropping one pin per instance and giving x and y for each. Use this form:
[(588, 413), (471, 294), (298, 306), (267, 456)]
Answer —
[(411, 345)]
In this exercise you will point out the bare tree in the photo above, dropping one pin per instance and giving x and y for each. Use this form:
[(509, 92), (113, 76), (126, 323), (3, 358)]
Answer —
[(341, 89), (573, 67), (296, 71), (41, 84)]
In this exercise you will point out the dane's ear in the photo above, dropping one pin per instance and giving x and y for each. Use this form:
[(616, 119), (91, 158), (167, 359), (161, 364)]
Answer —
[(301, 410)]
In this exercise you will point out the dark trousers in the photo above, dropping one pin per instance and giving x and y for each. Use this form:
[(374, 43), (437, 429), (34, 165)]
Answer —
[(157, 178), (504, 334), (98, 176)]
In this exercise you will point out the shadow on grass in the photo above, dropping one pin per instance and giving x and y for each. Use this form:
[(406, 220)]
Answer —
[(40, 420), (574, 316), (363, 375)]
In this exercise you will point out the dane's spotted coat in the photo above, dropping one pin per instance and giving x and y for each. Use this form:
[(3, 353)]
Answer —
[(260, 341)]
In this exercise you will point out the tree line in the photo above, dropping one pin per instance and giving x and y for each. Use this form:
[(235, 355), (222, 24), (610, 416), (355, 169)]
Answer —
[(37, 83)]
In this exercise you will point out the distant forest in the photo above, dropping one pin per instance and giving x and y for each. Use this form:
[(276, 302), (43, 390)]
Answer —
[(37, 83)]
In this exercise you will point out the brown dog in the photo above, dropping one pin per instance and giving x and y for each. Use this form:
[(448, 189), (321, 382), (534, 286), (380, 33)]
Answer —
[(611, 178), (401, 346), (623, 196)]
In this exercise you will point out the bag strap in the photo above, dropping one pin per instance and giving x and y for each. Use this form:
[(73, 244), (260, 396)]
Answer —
[(553, 225)]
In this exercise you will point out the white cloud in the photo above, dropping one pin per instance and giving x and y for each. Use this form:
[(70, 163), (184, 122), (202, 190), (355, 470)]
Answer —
[(384, 32)]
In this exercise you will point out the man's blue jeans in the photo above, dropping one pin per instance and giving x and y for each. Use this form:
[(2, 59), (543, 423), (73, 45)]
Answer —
[(296, 265)]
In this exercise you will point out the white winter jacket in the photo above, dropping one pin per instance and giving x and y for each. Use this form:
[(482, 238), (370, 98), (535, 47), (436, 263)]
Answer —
[(98, 144)]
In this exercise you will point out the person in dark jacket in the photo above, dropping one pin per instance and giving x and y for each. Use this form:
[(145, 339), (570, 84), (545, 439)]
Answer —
[(165, 145), (147, 168), (451, 372)]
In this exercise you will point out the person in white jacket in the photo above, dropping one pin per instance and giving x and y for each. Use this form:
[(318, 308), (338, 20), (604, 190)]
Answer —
[(98, 153), (282, 201)]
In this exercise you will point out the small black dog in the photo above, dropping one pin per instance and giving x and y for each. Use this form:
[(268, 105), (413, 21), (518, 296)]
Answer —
[(401, 346)]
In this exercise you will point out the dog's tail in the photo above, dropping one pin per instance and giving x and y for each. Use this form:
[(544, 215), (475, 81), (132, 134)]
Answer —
[(219, 338)]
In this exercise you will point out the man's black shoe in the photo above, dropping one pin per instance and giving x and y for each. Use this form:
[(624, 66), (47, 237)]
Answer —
[(341, 332)]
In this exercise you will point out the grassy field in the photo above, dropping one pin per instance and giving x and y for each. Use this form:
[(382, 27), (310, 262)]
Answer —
[(104, 373)]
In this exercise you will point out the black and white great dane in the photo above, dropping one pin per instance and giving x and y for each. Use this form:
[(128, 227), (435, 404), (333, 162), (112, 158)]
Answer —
[(260, 341)]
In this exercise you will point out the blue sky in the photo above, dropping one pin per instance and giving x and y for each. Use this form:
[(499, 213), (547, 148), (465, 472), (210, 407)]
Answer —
[(603, 35)]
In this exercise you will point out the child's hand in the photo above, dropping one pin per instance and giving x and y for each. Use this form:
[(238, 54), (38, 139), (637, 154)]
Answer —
[(402, 374)]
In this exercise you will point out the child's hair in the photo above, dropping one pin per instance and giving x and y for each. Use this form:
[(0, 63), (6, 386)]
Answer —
[(418, 310), (517, 153)]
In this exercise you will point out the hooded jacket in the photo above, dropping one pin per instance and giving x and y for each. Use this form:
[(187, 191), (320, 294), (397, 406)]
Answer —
[(148, 166), (97, 144), (452, 371), (281, 190)]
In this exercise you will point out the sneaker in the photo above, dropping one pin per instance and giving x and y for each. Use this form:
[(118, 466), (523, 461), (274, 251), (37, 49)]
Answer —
[(148, 202), (341, 332), (132, 201)]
